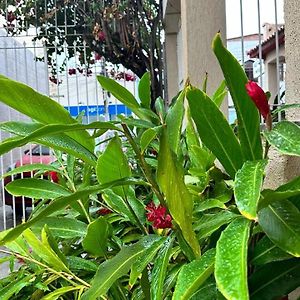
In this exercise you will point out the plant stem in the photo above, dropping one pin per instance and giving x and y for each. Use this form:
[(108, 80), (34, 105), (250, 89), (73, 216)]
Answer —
[(60, 274), (74, 190), (145, 167), (267, 147)]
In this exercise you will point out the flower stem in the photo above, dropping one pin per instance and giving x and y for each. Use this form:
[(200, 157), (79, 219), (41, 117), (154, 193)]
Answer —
[(144, 166)]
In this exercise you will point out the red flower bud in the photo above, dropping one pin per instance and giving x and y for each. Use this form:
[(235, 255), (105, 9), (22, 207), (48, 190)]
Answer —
[(103, 211), (259, 97), (158, 216), (54, 176)]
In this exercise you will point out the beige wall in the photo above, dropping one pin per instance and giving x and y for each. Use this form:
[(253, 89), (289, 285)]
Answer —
[(292, 50), (201, 20), (271, 72), (195, 23)]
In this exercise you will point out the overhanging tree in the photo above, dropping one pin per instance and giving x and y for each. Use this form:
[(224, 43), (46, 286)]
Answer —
[(126, 32)]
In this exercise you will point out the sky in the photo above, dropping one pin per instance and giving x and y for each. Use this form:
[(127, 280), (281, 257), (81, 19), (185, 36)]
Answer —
[(250, 15)]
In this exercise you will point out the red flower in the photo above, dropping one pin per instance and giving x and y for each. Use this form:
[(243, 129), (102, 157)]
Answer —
[(54, 176), (10, 17), (259, 97), (101, 36), (97, 56), (158, 216), (72, 71), (103, 211)]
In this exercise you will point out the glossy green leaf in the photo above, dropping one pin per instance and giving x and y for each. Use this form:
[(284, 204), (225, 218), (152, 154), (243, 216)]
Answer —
[(281, 222), (43, 250), (285, 191), (160, 109), (215, 131), (207, 291), (36, 188), (247, 113), (231, 260), (96, 239), (61, 291), (112, 269), (209, 223), (174, 122), (275, 280), (63, 227), (19, 245), (113, 165), (247, 186), (15, 286), (76, 263), (193, 275), (120, 92), (192, 137), (201, 158), (39, 107), (144, 90), (147, 137), (49, 240), (285, 107), (159, 271), (210, 203), (285, 137), (221, 191), (170, 178), (31, 168), (139, 123), (117, 204), (220, 94), (266, 251), (142, 262), (61, 203), (29, 132)]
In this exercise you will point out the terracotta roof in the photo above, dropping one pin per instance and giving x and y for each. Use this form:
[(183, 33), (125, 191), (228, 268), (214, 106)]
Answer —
[(268, 45)]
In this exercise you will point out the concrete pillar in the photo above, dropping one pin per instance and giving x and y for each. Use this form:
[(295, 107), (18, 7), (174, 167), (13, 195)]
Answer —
[(271, 74), (292, 53), (172, 66), (200, 21), (292, 81)]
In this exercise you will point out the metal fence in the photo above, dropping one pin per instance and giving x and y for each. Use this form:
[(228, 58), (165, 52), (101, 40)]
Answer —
[(71, 77), (64, 71)]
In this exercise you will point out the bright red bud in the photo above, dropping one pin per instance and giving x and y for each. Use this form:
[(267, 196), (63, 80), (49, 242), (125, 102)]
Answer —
[(103, 211), (54, 176), (259, 97)]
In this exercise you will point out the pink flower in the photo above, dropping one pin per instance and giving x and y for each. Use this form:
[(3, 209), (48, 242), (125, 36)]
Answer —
[(158, 216), (259, 97)]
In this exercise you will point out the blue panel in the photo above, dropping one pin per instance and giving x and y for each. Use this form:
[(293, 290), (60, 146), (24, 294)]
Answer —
[(96, 110)]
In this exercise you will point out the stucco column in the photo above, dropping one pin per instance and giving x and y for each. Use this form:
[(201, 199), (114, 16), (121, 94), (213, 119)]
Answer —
[(200, 21), (270, 69), (292, 54), (172, 66)]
